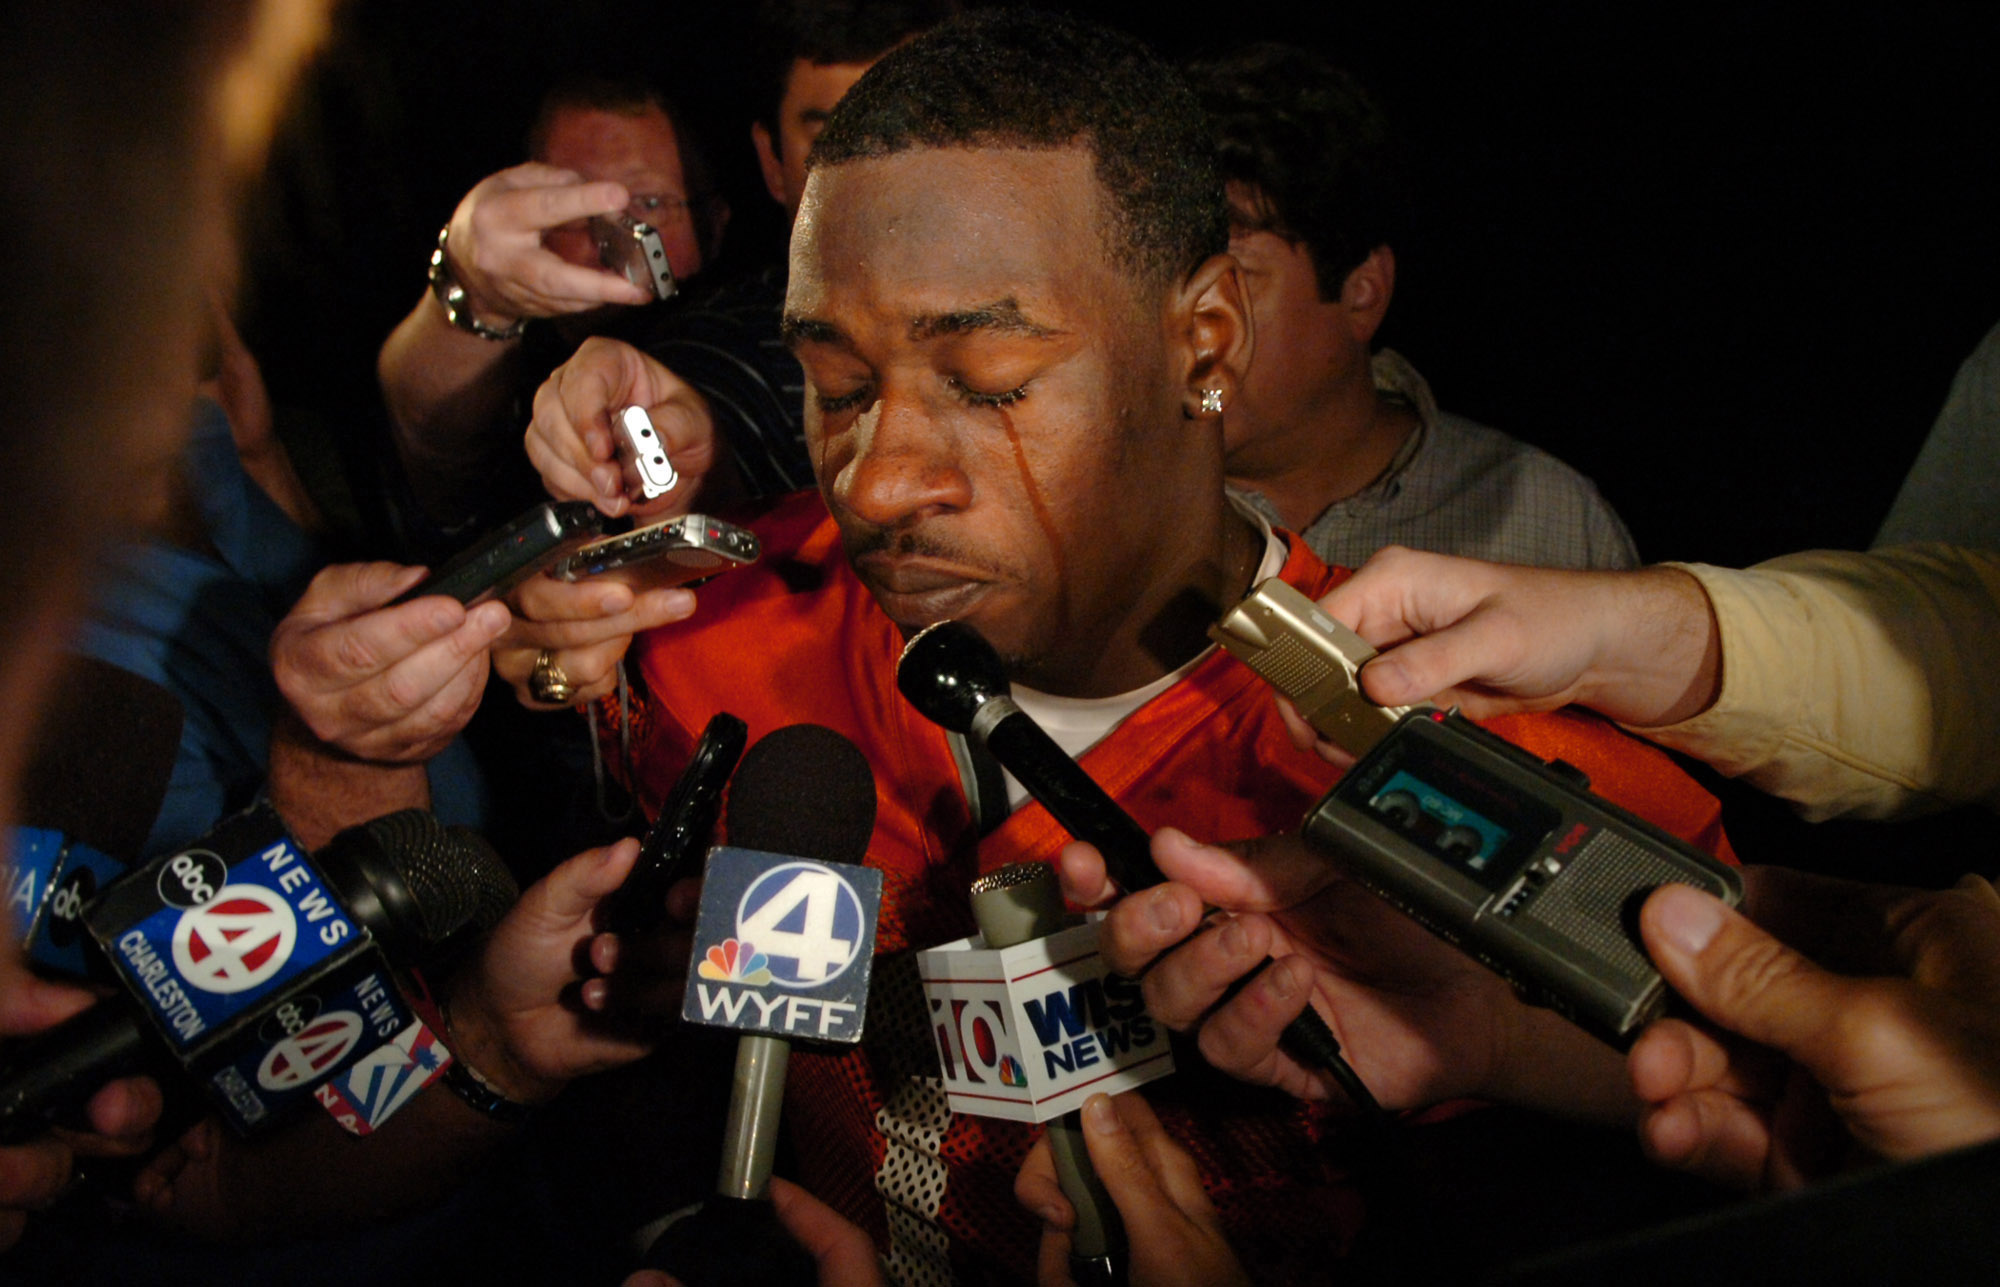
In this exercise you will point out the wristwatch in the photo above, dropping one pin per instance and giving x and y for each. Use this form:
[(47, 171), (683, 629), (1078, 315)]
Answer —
[(451, 297)]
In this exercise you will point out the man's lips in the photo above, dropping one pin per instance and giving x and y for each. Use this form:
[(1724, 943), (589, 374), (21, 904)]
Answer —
[(916, 589)]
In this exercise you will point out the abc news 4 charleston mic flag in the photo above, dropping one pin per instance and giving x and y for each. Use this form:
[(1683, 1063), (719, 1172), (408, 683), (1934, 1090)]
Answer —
[(1030, 1032), (259, 980)]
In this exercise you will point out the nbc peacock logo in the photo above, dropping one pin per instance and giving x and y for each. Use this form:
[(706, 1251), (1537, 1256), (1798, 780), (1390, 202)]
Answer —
[(731, 961)]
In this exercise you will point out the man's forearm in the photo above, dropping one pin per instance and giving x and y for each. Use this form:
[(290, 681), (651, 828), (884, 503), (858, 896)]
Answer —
[(320, 791), (448, 393)]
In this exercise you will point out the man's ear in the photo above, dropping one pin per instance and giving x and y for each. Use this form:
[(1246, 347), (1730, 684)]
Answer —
[(1211, 312), (1365, 295), (769, 161)]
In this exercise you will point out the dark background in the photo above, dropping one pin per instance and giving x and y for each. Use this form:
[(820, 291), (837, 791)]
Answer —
[(1724, 264)]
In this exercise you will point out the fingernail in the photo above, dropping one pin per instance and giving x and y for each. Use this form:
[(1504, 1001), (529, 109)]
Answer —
[(1384, 679), (1099, 1117), (1163, 911), (1687, 917), (1232, 938), (1283, 985)]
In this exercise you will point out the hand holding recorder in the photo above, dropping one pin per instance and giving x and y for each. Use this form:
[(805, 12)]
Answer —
[(573, 438), (1896, 1056), (495, 244), (1639, 646), (387, 682), (1419, 1020)]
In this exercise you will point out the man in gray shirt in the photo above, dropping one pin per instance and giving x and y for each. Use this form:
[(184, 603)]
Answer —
[(1343, 445)]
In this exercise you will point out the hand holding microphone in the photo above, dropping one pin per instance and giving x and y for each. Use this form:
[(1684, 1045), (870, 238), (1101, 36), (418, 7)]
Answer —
[(953, 676)]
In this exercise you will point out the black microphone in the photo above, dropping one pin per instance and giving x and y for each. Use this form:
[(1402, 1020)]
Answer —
[(262, 972), (1015, 904), (90, 791), (803, 791), (954, 678), (681, 833)]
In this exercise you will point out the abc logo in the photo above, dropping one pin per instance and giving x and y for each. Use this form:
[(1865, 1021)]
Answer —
[(289, 1018), (191, 879), (305, 1055), (806, 919), (236, 941), (66, 905)]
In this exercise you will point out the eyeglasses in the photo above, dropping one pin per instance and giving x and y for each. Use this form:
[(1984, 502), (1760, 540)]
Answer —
[(649, 207)]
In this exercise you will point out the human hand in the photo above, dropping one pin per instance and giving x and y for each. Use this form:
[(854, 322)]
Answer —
[(1639, 646), (1418, 1020), (1900, 1056), (121, 1114), (1171, 1226), (496, 251), (584, 627), (845, 1256), (388, 684), (569, 440), (550, 998)]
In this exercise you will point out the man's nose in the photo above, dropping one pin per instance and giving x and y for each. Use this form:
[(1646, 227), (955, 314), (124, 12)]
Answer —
[(905, 466)]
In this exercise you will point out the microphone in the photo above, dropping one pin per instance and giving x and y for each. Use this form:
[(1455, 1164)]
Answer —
[(262, 972), (681, 832), (954, 678), (90, 791), (1015, 904), (784, 943), (951, 674)]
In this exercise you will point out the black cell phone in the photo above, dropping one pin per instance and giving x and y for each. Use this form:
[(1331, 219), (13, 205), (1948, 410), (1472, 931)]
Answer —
[(502, 559), (678, 838), (696, 545), (634, 251)]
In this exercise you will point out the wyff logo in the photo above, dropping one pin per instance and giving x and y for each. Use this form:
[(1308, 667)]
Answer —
[(788, 946), (805, 919)]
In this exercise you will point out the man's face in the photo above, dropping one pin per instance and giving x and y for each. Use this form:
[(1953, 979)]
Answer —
[(993, 406), (639, 152), (811, 90), (1305, 344)]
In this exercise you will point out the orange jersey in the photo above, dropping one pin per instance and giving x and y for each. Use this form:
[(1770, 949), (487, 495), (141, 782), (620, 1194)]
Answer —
[(798, 639)]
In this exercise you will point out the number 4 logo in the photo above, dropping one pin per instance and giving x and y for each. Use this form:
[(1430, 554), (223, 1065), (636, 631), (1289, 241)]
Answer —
[(807, 919)]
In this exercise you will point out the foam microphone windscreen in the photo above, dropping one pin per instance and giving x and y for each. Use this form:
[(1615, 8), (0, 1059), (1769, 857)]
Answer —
[(805, 791), (103, 752)]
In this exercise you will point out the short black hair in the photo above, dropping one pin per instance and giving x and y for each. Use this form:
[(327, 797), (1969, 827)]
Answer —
[(1314, 145), (1018, 78), (833, 31)]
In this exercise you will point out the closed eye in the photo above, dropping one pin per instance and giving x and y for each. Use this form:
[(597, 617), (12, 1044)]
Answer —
[(978, 398), (845, 401)]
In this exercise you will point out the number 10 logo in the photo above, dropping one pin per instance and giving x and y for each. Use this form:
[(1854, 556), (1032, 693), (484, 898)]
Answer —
[(807, 919)]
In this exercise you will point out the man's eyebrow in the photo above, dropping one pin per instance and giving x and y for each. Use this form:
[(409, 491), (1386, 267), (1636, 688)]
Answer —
[(1002, 315), (796, 330)]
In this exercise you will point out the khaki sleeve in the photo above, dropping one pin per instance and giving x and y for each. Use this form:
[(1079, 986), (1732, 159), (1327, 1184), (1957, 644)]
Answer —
[(1856, 685)]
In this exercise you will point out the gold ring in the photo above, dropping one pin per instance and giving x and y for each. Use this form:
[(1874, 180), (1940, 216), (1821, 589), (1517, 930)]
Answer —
[(548, 683)]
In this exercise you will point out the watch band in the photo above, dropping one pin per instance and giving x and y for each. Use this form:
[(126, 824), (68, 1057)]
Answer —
[(464, 1081), (451, 297)]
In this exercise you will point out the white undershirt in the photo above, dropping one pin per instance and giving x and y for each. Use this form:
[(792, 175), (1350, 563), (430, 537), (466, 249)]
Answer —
[(1079, 723)]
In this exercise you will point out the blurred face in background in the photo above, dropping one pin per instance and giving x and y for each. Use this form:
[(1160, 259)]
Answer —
[(641, 152)]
